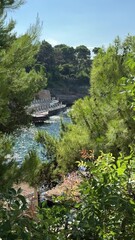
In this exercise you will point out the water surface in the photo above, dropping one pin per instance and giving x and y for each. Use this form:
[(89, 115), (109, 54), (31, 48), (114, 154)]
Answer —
[(25, 138)]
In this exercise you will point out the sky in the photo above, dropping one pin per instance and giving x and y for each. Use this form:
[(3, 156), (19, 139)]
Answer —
[(93, 23)]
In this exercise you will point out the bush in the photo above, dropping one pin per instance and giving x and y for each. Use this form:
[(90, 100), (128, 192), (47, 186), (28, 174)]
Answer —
[(107, 206)]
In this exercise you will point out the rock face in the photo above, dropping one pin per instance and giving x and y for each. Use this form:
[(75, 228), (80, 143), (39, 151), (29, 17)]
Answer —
[(69, 98), (63, 95)]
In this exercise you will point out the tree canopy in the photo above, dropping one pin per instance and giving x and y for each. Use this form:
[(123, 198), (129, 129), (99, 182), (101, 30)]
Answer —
[(17, 87), (105, 120), (67, 68)]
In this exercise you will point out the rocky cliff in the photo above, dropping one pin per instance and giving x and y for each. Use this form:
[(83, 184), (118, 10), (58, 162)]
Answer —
[(69, 97)]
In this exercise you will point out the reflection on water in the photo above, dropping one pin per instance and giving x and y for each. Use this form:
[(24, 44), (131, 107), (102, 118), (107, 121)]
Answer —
[(24, 139)]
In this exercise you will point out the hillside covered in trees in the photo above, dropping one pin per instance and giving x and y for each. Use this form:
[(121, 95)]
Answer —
[(67, 69)]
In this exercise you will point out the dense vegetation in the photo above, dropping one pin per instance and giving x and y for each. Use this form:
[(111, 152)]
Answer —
[(16, 55), (104, 121), (17, 87), (67, 68), (106, 207)]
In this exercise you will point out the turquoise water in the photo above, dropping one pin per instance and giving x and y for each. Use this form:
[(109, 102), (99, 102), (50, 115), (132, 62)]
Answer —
[(25, 138)]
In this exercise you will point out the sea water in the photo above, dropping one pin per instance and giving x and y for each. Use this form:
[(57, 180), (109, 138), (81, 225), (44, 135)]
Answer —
[(25, 138)]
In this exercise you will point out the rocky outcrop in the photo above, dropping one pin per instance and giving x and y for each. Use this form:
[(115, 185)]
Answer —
[(69, 98)]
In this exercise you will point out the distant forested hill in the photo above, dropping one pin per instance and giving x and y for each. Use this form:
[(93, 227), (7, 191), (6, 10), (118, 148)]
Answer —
[(67, 69)]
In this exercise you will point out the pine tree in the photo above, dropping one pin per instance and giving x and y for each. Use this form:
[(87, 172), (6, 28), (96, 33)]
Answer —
[(17, 87)]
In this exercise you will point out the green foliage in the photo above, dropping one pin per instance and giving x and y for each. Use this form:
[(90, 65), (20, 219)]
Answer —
[(8, 167), (9, 4), (107, 207), (18, 86), (96, 50), (11, 172), (47, 174), (29, 169), (45, 56), (54, 221), (14, 224), (105, 120), (5, 33), (69, 148), (49, 143), (67, 68)]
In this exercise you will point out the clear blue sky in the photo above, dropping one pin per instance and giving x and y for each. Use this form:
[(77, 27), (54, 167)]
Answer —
[(76, 22)]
